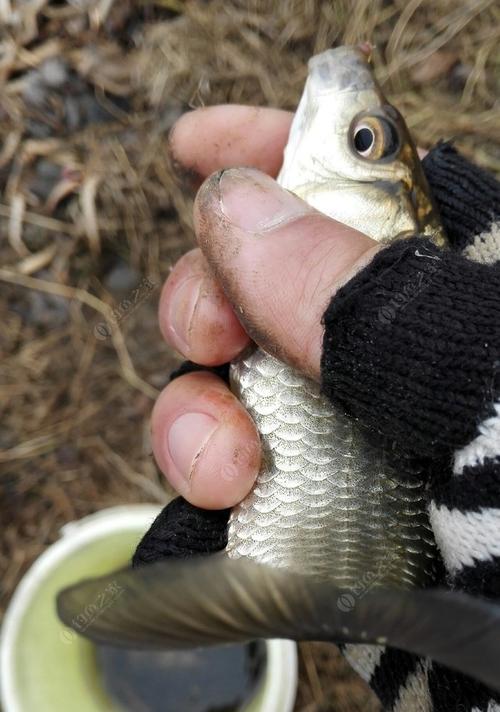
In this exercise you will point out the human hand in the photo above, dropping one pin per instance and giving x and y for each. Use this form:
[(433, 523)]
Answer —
[(266, 269), (438, 366)]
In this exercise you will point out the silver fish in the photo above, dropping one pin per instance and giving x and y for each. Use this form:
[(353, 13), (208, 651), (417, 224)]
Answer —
[(327, 501), (333, 543)]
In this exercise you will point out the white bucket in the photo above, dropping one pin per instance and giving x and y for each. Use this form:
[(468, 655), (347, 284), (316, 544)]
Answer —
[(48, 668)]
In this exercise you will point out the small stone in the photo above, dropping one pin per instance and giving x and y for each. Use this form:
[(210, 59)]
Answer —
[(46, 176), (121, 278), (54, 72)]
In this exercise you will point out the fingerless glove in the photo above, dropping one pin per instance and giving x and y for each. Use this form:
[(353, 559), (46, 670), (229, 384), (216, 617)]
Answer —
[(412, 350)]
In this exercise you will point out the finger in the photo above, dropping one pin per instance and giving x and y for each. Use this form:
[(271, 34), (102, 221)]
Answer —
[(196, 318), (205, 442), (208, 139), (278, 260)]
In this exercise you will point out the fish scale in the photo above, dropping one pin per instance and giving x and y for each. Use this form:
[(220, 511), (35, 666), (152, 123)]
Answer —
[(305, 511), (329, 500)]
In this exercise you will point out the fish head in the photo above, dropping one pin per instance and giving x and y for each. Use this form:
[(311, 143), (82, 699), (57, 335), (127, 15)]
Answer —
[(350, 154)]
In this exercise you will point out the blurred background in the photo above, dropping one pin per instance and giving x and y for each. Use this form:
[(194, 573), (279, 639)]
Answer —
[(92, 215)]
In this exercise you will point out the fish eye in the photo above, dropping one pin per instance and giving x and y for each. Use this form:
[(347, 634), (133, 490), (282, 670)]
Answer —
[(364, 139), (375, 137)]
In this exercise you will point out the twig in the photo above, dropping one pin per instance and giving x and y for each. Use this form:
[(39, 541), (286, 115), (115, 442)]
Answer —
[(15, 230), (42, 221), (38, 260), (312, 673), (129, 373), (87, 200), (136, 478)]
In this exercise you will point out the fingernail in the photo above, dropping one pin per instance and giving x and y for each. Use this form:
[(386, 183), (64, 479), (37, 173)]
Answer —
[(181, 309), (255, 203), (187, 176), (187, 438)]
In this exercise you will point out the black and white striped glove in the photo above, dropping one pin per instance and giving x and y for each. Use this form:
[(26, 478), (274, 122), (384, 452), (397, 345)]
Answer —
[(412, 350)]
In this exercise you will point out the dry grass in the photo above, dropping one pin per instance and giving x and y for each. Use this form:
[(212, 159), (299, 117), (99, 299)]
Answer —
[(90, 206)]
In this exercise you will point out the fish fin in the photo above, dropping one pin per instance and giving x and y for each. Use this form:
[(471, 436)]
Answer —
[(214, 600)]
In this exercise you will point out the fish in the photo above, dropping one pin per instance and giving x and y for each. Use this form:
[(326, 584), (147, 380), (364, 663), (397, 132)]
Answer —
[(328, 501), (333, 542)]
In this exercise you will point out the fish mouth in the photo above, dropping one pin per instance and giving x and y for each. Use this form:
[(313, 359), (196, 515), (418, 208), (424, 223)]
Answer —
[(343, 69)]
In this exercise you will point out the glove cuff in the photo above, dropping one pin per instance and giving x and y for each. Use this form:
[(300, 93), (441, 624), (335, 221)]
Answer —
[(182, 530), (412, 346)]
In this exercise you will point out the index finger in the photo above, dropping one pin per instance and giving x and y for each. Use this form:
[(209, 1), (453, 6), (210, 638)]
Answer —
[(215, 137)]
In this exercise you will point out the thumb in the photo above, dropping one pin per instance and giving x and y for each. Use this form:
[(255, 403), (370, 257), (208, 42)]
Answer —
[(278, 260)]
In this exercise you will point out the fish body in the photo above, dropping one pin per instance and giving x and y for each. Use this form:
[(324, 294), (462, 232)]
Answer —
[(328, 501)]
